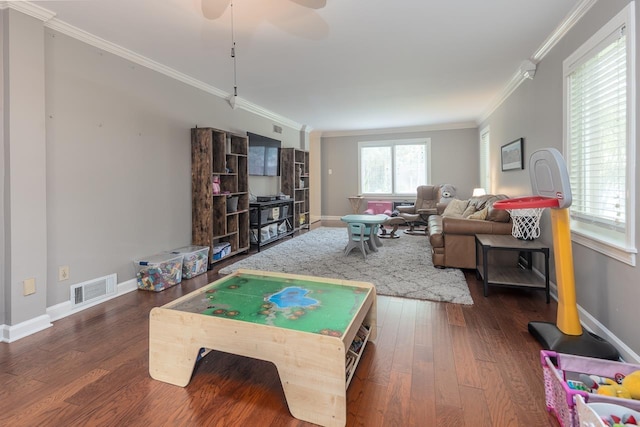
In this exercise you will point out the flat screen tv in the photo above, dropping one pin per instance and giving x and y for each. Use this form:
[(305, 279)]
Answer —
[(264, 155)]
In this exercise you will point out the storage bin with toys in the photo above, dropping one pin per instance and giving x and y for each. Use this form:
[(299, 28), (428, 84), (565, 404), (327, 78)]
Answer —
[(159, 272), (594, 381), (195, 261)]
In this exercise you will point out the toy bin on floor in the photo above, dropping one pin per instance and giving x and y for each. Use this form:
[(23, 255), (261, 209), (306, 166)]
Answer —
[(195, 261), (221, 250), (561, 374), (159, 272), (592, 414)]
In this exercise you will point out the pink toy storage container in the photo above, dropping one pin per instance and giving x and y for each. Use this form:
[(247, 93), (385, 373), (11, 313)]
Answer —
[(375, 207), (558, 369)]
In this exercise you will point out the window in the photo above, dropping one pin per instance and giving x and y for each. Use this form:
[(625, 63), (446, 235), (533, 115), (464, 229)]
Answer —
[(599, 101), (393, 167), (485, 176)]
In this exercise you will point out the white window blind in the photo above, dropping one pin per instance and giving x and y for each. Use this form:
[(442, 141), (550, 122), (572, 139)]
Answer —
[(598, 134), (599, 138)]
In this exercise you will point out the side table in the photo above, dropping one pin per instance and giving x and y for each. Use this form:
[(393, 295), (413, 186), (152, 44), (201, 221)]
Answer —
[(511, 276)]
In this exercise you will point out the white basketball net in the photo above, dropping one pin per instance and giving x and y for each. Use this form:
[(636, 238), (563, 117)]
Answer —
[(526, 223)]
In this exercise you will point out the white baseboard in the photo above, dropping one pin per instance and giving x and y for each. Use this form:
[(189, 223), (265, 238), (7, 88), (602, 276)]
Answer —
[(11, 333), (592, 325), (23, 329), (65, 309)]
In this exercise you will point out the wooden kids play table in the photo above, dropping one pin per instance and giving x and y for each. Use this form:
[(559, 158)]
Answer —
[(313, 329)]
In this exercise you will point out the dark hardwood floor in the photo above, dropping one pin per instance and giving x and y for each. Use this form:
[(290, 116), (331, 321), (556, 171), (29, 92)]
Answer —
[(432, 364)]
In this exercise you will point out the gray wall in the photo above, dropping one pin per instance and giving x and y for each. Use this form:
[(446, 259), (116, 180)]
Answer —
[(454, 160), (118, 173), (607, 289), (24, 181)]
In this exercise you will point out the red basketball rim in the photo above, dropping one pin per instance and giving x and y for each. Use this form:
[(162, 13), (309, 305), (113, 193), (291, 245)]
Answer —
[(527, 202)]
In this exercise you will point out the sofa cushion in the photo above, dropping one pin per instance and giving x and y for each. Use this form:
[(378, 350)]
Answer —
[(497, 215), (455, 208), (468, 211), (481, 214)]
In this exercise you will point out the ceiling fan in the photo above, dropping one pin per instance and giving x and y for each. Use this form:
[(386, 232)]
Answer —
[(213, 9)]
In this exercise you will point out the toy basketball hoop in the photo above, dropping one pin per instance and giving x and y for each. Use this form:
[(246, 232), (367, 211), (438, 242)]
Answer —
[(526, 213), (552, 189)]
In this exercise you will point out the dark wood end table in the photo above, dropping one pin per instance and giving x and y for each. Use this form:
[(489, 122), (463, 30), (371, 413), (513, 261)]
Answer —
[(511, 276)]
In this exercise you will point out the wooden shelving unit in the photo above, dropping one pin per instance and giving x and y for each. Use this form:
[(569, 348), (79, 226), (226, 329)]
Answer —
[(294, 181), (216, 153), (261, 216)]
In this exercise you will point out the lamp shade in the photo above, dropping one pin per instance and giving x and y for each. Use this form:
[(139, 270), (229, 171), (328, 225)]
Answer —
[(478, 192)]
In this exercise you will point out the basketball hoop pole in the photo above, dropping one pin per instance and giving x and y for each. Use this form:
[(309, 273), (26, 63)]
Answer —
[(567, 319)]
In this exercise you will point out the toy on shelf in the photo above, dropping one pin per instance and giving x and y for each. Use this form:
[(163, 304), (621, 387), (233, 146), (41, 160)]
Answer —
[(215, 181)]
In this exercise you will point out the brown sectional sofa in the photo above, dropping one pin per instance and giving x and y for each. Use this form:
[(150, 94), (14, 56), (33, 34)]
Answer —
[(452, 235)]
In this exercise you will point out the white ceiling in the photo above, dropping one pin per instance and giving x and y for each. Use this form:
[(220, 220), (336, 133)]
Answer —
[(350, 65)]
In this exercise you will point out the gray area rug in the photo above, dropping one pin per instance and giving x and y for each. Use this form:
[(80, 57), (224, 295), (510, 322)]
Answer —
[(401, 267)]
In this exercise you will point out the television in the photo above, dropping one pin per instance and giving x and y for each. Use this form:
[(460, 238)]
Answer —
[(264, 155)]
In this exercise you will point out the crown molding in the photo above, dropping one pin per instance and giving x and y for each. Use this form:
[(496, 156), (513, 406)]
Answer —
[(28, 8), (515, 81), (107, 46), (578, 11), (263, 112), (408, 129), (574, 15)]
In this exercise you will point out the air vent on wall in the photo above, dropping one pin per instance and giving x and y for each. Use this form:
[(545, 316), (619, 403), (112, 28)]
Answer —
[(277, 129), (94, 290)]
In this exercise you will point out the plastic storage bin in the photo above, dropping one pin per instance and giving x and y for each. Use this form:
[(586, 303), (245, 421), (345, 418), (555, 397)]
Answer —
[(159, 272), (264, 216), (232, 204), (558, 368), (591, 414), (195, 261), (221, 250), (275, 213)]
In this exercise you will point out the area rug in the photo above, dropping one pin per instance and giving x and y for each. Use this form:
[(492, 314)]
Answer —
[(401, 267)]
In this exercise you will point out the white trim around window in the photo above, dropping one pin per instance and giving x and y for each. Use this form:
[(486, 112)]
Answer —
[(594, 141)]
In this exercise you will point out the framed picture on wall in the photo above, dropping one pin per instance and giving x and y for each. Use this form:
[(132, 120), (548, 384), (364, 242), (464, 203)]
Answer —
[(512, 156)]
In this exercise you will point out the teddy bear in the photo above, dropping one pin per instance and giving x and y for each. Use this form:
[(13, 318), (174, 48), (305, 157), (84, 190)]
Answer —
[(447, 192)]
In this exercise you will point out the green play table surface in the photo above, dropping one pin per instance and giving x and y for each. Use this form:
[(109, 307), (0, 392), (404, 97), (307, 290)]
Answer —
[(291, 303)]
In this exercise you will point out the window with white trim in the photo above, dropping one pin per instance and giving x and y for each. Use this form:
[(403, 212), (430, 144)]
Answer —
[(599, 104), (485, 166), (393, 168)]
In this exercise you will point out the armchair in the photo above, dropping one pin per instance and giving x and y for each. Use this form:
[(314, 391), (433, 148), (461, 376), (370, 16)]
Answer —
[(427, 199)]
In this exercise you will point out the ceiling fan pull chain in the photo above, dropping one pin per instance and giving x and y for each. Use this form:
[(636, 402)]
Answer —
[(233, 54)]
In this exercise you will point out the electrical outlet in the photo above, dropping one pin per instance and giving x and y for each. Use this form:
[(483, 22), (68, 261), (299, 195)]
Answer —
[(63, 273), (29, 286)]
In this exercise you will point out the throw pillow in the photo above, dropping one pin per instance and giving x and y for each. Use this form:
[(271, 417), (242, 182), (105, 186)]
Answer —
[(481, 214), (468, 211), (455, 208)]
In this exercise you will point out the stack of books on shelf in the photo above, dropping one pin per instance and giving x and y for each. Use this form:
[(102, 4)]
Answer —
[(355, 350)]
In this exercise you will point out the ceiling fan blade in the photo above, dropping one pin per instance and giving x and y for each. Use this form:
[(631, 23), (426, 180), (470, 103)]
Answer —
[(213, 9), (313, 4), (301, 22)]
